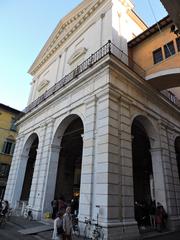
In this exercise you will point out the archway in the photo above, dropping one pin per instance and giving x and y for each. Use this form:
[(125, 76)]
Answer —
[(32, 145), (70, 160), (143, 181), (177, 150)]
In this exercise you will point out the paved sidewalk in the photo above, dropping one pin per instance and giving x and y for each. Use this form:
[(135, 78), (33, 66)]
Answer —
[(43, 230), (38, 228)]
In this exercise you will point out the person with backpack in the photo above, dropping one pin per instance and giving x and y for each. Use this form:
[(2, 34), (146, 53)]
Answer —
[(58, 232)]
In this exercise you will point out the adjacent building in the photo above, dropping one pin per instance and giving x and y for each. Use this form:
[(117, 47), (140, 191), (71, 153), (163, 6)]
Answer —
[(8, 133), (173, 8), (103, 119)]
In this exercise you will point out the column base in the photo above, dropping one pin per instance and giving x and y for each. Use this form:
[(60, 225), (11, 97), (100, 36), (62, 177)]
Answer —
[(116, 230), (173, 223)]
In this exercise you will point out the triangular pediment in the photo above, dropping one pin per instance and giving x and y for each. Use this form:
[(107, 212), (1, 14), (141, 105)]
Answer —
[(65, 28)]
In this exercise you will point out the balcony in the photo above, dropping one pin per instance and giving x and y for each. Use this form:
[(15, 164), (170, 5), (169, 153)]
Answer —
[(108, 49)]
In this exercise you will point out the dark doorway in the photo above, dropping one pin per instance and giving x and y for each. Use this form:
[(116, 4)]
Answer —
[(142, 172), (29, 171), (177, 150), (70, 160)]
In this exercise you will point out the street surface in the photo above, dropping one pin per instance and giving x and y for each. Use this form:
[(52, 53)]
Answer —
[(10, 232)]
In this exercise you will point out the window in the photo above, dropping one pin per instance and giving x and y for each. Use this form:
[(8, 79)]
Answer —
[(172, 97), (157, 55), (8, 147), (178, 43), (169, 49), (4, 170), (13, 124)]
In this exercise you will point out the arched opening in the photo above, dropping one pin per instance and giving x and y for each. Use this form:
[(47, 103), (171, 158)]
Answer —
[(142, 173), (29, 168), (177, 150), (69, 165)]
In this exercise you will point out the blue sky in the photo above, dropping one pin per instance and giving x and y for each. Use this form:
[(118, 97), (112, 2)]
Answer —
[(25, 27)]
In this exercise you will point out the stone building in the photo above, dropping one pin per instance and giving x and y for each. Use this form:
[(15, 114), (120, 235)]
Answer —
[(8, 133), (97, 125)]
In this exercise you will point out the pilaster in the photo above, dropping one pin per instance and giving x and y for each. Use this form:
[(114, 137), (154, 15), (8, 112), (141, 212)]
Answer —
[(13, 188), (39, 182), (88, 168), (126, 170), (171, 177)]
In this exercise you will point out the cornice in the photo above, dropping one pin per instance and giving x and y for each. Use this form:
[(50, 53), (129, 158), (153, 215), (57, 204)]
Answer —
[(66, 27)]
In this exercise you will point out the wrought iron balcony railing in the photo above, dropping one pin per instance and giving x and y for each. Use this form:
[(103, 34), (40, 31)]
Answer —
[(108, 49)]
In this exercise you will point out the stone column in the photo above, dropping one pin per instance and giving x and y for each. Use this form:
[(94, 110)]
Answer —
[(87, 172), (126, 170), (41, 169), (107, 158), (50, 182), (158, 174), (170, 174), (15, 180), (37, 167)]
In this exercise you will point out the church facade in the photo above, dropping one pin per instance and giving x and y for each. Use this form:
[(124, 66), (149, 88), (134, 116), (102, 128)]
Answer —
[(95, 127)]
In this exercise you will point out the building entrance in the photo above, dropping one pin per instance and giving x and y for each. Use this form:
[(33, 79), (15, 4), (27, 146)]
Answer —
[(29, 170), (142, 174), (69, 166)]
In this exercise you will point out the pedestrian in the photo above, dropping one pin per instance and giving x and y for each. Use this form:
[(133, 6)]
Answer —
[(58, 232), (54, 205), (61, 205), (67, 224), (152, 211), (160, 217)]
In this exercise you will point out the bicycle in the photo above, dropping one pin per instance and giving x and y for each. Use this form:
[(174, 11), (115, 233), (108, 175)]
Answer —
[(87, 229), (97, 233), (28, 213), (75, 228)]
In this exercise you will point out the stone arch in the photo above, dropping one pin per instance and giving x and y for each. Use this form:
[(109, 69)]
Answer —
[(28, 142), (144, 137), (65, 159), (27, 164), (150, 128), (61, 127)]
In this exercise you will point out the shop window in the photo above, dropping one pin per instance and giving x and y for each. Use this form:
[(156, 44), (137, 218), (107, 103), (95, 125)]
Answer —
[(178, 43), (8, 147), (157, 55), (169, 49)]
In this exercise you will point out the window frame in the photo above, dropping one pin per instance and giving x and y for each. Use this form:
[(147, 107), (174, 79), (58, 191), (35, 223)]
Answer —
[(168, 54), (8, 147), (155, 60)]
